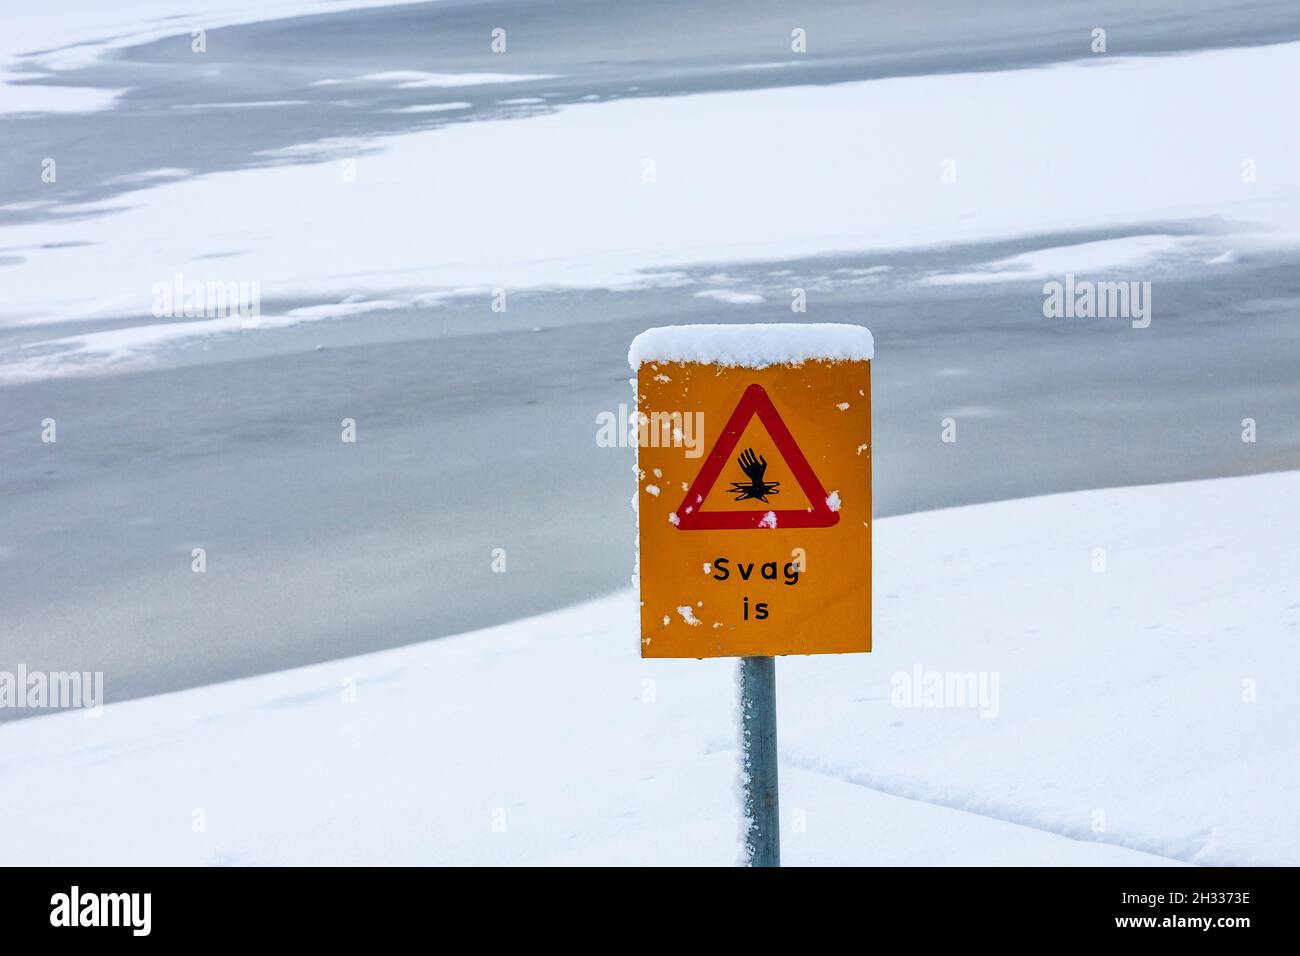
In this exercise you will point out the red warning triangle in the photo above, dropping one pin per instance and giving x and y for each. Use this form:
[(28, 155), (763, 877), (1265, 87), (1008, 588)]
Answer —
[(755, 401)]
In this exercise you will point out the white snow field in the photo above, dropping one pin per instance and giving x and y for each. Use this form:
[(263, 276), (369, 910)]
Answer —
[(1144, 715), (600, 195)]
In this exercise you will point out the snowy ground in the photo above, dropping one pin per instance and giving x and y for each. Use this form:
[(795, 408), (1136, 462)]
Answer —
[(1143, 716)]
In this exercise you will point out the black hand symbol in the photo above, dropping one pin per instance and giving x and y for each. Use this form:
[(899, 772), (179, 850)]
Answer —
[(753, 467)]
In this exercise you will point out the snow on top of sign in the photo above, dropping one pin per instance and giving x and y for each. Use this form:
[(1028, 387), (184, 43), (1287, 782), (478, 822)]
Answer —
[(752, 346)]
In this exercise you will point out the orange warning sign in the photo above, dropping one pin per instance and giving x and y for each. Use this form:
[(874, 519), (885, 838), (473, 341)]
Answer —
[(754, 508), (817, 515)]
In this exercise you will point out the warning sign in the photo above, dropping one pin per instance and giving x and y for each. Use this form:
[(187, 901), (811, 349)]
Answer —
[(756, 488), (755, 535)]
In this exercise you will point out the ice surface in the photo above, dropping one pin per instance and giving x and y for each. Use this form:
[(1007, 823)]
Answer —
[(569, 181)]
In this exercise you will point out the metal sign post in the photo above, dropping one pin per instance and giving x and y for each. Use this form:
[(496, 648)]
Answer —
[(753, 469), (758, 744)]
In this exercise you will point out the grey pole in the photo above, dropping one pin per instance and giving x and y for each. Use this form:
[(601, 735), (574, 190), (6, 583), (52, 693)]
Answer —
[(758, 742)]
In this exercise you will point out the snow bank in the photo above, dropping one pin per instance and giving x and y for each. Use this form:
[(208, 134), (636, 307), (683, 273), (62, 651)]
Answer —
[(752, 346), (1143, 715), (57, 35), (1082, 257), (18, 94), (65, 34), (419, 79)]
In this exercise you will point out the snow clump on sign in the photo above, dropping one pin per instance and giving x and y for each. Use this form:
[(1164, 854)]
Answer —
[(752, 346)]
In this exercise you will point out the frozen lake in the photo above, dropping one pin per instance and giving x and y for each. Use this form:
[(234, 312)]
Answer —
[(476, 430)]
